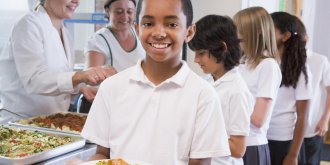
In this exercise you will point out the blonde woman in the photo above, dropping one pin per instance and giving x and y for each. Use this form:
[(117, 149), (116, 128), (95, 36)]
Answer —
[(261, 72)]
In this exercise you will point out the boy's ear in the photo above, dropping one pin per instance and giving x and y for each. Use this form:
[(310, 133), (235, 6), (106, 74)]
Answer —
[(190, 33), (136, 27), (224, 46)]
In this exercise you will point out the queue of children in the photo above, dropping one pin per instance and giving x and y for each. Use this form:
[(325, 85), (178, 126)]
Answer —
[(253, 109)]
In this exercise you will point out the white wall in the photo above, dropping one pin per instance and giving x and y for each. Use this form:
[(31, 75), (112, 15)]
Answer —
[(10, 12), (308, 17), (14, 5), (81, 32), (321, 30), (269, 5)]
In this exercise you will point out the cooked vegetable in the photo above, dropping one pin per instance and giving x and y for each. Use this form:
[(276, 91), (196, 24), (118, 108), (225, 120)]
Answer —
[(112, 162), (20, 143)]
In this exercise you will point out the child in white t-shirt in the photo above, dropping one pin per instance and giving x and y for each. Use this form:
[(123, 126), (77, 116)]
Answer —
[(217, 52), (262, 75), (159, 111), (288, 122), (319, 104)]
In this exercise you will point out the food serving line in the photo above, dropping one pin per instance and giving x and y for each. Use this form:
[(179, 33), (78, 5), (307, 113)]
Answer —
[(44, 140)]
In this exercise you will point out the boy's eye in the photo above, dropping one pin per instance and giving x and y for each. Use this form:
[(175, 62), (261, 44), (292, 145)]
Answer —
[(173, 25), (200, 53), (146, 24)]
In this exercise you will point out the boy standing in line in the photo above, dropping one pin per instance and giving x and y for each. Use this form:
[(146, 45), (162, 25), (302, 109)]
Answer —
[(159, 111)]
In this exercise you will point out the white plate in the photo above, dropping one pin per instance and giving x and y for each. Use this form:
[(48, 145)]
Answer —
[(131, 162)]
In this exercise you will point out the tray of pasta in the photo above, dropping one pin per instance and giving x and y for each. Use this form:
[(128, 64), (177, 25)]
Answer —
[(20, 145)]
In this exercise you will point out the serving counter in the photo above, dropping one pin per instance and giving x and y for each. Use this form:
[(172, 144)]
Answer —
[(83, 153)]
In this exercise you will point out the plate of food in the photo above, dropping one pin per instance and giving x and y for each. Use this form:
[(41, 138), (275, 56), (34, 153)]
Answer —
[(118, 161), (28, 146), (67, 122)]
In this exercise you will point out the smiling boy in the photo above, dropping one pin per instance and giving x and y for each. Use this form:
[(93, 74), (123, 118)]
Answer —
[(159, 111)]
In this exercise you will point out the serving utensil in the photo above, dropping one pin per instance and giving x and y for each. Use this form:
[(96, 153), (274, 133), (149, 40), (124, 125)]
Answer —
[(2, 109)]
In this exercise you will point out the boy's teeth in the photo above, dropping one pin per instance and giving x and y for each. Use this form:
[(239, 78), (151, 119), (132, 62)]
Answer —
[(159, 46)]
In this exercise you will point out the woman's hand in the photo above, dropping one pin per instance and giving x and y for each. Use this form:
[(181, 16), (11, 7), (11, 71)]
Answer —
[(93, 75), (89, 92)]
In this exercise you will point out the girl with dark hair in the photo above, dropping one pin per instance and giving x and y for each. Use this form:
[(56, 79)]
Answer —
[(288, 121), (217, 52)]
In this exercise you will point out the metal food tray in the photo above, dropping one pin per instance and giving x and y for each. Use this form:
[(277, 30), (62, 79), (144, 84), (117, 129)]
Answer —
[(15, 123), (78, 142)]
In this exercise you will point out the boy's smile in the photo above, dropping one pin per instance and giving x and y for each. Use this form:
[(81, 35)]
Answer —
[(159, 45)]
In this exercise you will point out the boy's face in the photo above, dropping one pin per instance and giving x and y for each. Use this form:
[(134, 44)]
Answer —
[(162, 29), (206, 61)]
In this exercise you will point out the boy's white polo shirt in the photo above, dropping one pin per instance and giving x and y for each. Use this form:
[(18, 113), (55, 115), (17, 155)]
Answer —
[(166, 124), (236, 102), (283, 120), (320, 69), (263, 82), (237, 106)]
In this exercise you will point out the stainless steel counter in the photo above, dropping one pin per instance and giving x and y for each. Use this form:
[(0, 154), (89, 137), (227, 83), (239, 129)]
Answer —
[(83, 153)]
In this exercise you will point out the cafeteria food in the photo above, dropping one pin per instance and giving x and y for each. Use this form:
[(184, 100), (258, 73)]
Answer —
[(15, 143), (60, 121), (112, 162)]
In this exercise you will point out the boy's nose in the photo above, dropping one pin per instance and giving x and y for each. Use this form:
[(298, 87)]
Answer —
[(159, 33)]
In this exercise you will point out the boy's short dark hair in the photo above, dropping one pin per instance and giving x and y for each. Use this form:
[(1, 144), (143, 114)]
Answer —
[(212, 31), (186, 8)]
